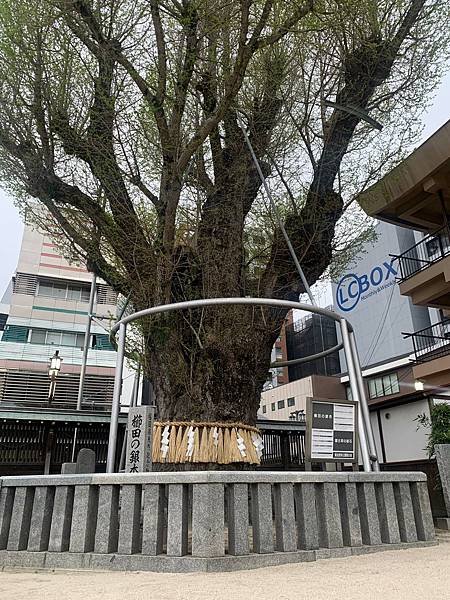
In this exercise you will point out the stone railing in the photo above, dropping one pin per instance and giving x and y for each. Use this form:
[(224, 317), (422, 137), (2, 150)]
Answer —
[(207, 520)]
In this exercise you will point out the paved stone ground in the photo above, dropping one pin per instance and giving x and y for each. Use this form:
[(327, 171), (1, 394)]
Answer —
[(422, 574)]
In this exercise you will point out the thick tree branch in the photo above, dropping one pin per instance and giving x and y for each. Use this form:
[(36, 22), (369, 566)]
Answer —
[(161, 47)]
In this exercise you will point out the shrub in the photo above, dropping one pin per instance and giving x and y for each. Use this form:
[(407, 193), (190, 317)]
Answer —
[(439, 422)]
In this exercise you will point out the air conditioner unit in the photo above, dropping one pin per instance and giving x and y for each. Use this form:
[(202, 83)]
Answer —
[(437, 247), (445, 330)]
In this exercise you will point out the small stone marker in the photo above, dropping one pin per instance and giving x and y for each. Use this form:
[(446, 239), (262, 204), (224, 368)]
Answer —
[(139, 443), (85, 461)]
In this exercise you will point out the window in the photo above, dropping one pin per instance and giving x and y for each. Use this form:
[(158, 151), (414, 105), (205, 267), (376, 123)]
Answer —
[(280, 403), (57, 338), (348, 392), (273, 405), (38, 336), (264, 409), (278, 353), (383, 386), (291, 401), (64, 291)]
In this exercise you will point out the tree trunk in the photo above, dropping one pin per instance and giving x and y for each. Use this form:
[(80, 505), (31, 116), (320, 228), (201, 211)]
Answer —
[(211, 364)]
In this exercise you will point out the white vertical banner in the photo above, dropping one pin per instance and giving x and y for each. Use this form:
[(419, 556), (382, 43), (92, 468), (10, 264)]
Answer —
[(139, 440)]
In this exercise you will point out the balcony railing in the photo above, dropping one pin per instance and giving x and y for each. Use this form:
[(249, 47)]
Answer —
[(428, 251), (431, 342)]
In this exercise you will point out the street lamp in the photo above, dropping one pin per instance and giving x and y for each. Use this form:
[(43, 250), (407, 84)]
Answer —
[(53, 370)]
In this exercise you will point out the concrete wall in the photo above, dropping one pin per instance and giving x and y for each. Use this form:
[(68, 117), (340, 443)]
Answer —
[(403, 441)]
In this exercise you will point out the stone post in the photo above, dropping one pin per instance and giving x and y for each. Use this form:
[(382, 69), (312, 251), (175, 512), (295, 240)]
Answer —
[(442, 452)]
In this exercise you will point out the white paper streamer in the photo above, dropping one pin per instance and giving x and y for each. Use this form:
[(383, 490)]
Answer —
[(258, 443), (241, 446), (165, 441), (190, 442), (216, 436)]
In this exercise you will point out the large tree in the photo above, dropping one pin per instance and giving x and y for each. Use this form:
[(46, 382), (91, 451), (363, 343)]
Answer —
[(119, 116)]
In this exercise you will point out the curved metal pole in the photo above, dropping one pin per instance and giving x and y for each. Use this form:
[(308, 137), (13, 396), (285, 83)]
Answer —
[(121, 326), (115, 408), (356, 397), (162, 308), (303, 359), (364, 406)]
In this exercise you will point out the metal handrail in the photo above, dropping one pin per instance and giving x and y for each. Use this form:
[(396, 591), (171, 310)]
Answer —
[(423, 261), (428, 345)]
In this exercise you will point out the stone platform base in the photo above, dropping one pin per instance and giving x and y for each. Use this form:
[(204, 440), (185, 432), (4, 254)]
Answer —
[(186, 564), (442, 523)]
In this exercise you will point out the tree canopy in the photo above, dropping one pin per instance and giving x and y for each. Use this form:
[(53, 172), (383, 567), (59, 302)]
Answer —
[(119, 116)]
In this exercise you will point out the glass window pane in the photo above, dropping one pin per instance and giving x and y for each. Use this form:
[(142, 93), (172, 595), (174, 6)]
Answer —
[(264, 409), (80, 340), (37, 336), (394, 383), (68, 339), (291, 401), (280, 403), (372, 389), (379, 387), (387, 385), (59, 290), (45, 289), (73, 292), (273, 405), (348, 392), (53, 337), (85, 293)]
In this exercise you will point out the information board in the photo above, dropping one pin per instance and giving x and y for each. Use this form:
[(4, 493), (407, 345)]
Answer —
[(331, 430)]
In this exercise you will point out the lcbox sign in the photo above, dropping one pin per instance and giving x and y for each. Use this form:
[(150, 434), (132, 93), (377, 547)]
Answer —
[(354, 288)]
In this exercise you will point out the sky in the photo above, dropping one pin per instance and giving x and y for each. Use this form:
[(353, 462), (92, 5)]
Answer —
[(11, 226)]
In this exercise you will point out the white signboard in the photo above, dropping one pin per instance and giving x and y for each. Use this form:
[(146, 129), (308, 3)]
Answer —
[(331, 430), (139, 442)]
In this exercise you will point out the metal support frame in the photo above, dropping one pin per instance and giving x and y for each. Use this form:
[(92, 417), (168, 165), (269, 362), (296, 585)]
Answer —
[(355, 394), (275, 210), (346, 330), (115, 408), (303, 359), (87, 340), (364, 404), (133, 402)]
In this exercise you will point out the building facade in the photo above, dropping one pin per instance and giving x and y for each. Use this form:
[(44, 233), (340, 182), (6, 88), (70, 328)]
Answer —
[(288, 402), (413, 199), (416, 195), (368, 294), (307, 336), (45, 310)]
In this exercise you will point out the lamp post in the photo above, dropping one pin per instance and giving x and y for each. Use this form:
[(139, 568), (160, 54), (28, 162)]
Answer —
[(53, 370)]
